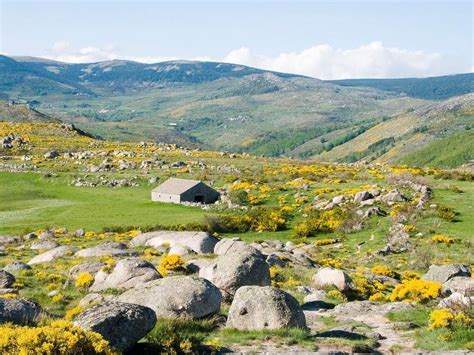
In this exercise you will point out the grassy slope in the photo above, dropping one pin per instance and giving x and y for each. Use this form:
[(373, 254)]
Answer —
[(32, 202), (448, 152)]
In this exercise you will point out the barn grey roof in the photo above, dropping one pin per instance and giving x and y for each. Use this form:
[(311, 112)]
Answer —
[(176, 186)]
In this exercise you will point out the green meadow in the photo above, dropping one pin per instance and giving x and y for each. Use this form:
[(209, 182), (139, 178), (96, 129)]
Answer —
[(28, 201)]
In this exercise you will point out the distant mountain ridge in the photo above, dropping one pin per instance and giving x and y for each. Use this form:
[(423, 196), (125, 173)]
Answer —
[(231, 107), (439, 87)]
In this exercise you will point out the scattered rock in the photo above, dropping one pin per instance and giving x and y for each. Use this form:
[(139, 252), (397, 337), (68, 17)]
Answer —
[(231, 271), (90, 268), (128, 273), (456, 301), (6, 279), (333, 277), (234, 246), (21, 312), (53, 254), (45, 244), (51, 154), (121, 324), (109, 248), (362, 196), (195, 297), (442, 273), (394, 196), (374, 211), (16, 266), (256, 308), (199, 242), (460, 284)]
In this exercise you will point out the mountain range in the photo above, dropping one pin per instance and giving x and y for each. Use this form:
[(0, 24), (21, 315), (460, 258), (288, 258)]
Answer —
[(232, 107)]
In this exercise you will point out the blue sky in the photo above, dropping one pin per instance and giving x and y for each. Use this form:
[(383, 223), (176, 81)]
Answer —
[(324, 39)]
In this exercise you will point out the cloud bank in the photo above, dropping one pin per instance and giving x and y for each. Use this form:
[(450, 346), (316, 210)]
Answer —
[(373, 60)]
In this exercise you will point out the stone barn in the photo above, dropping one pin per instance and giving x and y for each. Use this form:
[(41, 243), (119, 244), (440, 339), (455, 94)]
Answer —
[(176, 190)]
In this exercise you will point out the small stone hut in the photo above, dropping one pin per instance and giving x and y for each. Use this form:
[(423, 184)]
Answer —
[(176, 190)]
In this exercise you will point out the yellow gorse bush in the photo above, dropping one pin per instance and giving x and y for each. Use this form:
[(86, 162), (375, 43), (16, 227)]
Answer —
[(442, 239), (169, 263), (84, 280), (445, 318), (415, 291), (383, 270), (58, 337), (325, 242)]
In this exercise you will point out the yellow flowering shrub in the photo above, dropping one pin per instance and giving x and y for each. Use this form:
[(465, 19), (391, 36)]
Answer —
[(283, 278), (73, 312), (444, 318), (415, 291), (442, 239), (325, 242), (378, 297), (58, 337), (331, 262), (9, 295), (336, 295), (383, 270), (84, 280), (169, 263), (242, 186), (410, 275)]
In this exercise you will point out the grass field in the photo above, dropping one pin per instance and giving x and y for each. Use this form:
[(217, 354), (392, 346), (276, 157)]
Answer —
[(29, 201)]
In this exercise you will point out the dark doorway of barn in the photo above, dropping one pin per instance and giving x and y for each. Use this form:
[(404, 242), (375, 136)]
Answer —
[(199, 198)]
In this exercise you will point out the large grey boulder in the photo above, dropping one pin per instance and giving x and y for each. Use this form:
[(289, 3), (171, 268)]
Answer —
[(234, 246), (45, 244), (176, 296), (16, 266), (333, 277), (128, 273), (88, 268), (109, 248), (121, 324), (256, 308), (459, 284), (232, 271), (53, 254), (442, 273), (6, 279), (198, 242), (18, 311)]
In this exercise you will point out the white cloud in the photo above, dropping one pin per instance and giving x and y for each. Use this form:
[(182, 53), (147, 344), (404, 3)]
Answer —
[(323, 61), (373, 60)]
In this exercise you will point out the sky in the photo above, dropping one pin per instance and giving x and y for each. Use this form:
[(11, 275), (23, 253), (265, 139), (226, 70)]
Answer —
[(323, 39)]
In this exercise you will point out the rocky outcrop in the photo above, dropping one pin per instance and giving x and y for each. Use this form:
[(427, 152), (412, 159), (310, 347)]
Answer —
[(234, 246), (232, 271), (333, 277), (128, 273), (256, 308), (186, 297), (121, 324), (198, 242), (111, 248), (53, 254), (18, 311), (6, 279), (442, 273)]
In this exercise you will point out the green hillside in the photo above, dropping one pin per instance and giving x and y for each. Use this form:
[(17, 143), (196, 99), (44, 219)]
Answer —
[(448, 152)]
